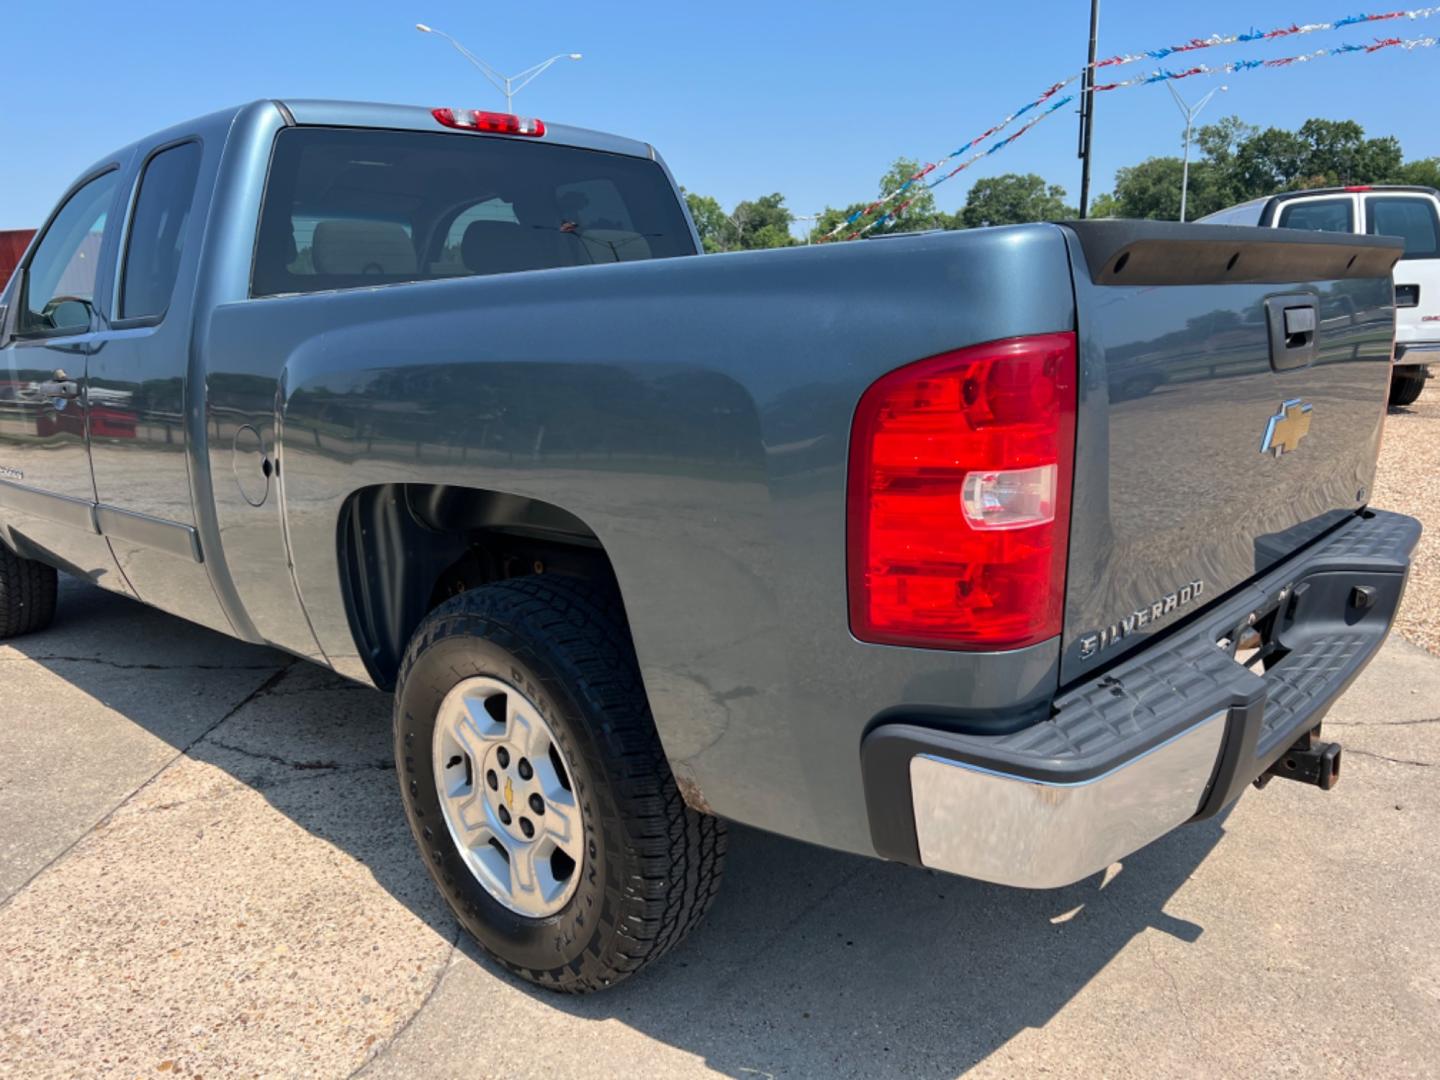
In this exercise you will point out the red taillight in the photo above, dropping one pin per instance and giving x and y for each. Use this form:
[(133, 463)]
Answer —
[(494, 122), (958, 514), (1359, 187)]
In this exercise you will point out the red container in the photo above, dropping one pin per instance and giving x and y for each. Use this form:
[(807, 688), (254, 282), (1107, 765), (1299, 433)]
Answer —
[(13, 243)]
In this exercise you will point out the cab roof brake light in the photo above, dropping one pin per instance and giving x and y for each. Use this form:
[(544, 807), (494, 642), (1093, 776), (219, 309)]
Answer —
[(492, 123)]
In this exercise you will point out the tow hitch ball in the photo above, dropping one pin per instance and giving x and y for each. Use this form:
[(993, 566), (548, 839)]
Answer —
[(1309, 761)]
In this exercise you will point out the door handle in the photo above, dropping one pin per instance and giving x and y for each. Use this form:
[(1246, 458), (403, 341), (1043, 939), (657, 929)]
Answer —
[(60, 386)]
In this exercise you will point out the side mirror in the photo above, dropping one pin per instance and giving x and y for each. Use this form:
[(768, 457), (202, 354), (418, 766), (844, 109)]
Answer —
[(70, 313)]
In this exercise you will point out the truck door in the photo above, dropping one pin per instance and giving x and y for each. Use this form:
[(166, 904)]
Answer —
[(138, 372), (47, 496)]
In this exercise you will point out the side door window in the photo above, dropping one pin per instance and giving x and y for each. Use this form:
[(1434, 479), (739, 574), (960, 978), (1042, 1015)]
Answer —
[(59, 289), (1319, 215), (157, 232)]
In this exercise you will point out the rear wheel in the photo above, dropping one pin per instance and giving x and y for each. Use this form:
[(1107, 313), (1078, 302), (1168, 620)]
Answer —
[(27, 594), (1406, 384), (535, 784)]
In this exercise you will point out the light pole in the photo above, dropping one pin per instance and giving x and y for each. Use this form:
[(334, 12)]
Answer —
[(812, 218), (1190, 114), (509, 85), (1087, 110)]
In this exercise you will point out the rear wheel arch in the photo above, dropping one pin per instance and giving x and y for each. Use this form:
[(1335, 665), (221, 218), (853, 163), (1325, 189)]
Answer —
[(404, 549)]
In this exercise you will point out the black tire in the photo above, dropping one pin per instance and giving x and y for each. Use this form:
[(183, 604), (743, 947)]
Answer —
[(1405, 385), (27, 594), (652, 864)]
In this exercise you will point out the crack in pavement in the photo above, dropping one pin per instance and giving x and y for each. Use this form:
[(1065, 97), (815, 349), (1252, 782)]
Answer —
[(319, 766), (340, 688), (137, 667), (253, 696), (1393, 760), (1164, 969), (261, 785), (1383, 723)]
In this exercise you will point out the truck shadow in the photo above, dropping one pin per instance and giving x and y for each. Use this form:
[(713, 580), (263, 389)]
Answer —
[(815, 961), (812, 960)]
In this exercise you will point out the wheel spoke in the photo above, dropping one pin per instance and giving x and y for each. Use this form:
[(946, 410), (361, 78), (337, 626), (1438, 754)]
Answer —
[(467, 814), (553, 786), (562, 828), (525, 730), (523, 880), (474, 725)]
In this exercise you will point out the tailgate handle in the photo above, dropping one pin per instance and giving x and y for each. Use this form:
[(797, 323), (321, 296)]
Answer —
[(1294, 324), (1299, 326)]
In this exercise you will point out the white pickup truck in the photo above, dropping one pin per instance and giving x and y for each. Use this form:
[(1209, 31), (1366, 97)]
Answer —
[(1412, 213)]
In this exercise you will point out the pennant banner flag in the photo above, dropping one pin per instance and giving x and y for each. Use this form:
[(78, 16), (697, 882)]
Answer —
[(1047, 103)]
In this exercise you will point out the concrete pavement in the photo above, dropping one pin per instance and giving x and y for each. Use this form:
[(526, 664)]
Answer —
[(205, 872)]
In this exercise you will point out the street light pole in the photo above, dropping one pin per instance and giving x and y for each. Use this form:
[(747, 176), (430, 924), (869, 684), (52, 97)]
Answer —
[(1087, 109), (1189, 115), (509, 85)]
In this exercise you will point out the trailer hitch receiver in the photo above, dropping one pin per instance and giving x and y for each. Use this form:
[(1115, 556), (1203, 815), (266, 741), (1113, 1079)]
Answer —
[(1310, 761)]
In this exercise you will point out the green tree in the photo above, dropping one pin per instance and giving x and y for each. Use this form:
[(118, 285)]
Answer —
[(1424, 171), (754, 223), (1235, 162), (1011, 199), (710, 220), (1338, 151), (1151, 189), (1218, 142), (830, 219), (1105, 206), (1249, 163), (762, 223), (920, 214)]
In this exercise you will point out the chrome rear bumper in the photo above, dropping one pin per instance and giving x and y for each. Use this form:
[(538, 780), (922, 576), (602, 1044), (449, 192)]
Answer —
[(1013, 830)]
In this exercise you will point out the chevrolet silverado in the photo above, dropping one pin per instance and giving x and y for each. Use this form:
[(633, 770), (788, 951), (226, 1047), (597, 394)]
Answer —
[(1001, 552)]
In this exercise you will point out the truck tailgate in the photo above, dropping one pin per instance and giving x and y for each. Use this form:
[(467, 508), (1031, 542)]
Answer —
[(1233, 387)]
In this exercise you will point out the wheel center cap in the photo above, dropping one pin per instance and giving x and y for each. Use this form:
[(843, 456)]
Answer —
[(509, 794)]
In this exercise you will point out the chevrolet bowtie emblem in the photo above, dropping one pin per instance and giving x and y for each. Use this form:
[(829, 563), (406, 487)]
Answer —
[(1287, 427)]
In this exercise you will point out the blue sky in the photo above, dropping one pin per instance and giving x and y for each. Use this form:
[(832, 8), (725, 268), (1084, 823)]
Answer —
[(811, 99)]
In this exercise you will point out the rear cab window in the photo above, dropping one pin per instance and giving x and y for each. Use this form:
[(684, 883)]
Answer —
[(157, 232), (1410, 217), (351, 208), (1335, 215)]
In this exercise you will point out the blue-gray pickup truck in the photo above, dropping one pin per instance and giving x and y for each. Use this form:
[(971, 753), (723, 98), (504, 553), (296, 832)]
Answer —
[(1001, 552)]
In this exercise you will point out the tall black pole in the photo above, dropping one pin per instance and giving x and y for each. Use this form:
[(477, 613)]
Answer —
[(1087, 110)]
